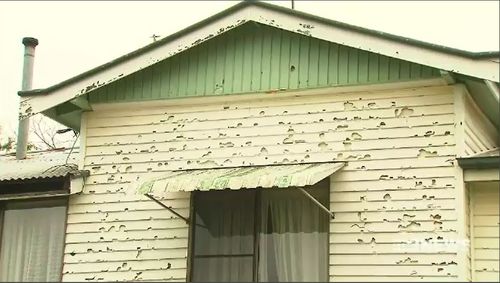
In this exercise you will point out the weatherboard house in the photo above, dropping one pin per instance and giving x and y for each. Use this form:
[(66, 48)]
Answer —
[(266, 144)]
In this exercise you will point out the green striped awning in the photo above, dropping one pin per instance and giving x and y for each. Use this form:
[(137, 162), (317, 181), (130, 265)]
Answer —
[(280, 176)]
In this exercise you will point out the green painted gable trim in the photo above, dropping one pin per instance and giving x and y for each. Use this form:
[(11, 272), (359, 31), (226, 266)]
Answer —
[(241, 5), (258, 58)]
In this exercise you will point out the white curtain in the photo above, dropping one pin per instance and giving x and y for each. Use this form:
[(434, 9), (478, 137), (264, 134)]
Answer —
[(32, 244), (293, 238)]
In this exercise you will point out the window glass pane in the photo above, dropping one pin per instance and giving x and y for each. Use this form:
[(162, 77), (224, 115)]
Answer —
[(224, 223), (32, 244), (223, 269), (292, 235), (293, 238)]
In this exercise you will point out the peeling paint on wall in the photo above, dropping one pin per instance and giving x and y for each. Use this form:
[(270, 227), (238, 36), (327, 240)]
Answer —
[(396, 189), (309, 63)]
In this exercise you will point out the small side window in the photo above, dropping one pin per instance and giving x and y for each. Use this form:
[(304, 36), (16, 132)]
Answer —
[(32, 240)]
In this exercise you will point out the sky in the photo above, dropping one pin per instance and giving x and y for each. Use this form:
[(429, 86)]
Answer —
[(76, 36)]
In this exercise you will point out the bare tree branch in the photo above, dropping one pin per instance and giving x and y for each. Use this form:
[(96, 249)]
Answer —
[(43, 135), (46, 132)]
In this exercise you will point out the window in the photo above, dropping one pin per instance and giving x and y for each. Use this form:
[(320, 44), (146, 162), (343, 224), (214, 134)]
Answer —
[(260, 235), (32, 240)]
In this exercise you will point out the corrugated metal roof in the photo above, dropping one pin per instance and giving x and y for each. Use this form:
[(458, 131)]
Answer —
[(281, 176), (40, 164)]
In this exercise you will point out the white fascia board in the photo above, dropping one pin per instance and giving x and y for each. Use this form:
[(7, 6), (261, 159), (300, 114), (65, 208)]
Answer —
[(481, 175), (481, 68), (32, 105), (76, 185)]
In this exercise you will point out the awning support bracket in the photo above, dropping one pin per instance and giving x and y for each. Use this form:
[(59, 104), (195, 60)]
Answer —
[(332, 215), (167, 208)]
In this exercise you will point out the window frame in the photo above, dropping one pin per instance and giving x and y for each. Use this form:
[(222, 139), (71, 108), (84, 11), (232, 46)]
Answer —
[(38, 200), (192, 219)]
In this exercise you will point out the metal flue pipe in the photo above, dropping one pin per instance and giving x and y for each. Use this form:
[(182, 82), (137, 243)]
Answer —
[(24, 124)]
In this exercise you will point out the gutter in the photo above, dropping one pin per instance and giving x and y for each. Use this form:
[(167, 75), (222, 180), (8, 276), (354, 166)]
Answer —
[(487, 162)]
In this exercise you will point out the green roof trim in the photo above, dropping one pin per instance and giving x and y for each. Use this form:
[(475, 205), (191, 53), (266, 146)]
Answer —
[(241, 5), (479, 162), (483, 160)]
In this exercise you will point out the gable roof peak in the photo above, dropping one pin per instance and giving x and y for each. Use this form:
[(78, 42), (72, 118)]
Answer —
[(473, 64)]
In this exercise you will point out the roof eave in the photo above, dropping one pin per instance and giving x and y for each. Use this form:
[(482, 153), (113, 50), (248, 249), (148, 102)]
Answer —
[(406, 40), (389, 45), (402, 39), (136, 52)]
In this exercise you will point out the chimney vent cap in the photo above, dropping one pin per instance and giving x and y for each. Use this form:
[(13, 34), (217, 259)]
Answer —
[(30, 41)]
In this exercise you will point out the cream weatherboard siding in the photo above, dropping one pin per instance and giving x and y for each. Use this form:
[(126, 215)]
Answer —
[(468, 213), (479, 133), (485, 230), (394, 201), (475, 134)]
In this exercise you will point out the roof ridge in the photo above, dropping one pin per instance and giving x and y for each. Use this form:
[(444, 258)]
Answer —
[(243, 4)]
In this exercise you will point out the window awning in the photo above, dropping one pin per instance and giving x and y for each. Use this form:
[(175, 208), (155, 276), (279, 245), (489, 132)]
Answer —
[(280, 176)]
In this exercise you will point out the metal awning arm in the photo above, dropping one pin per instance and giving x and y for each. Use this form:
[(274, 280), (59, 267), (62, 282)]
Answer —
[(168, 208), (332, 215)]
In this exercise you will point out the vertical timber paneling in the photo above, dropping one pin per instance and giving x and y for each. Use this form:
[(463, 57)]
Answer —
[(256, 58), (394, 201)]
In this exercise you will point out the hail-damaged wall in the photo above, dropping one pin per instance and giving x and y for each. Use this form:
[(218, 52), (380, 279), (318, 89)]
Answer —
[(394, 201), (474, 134)]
